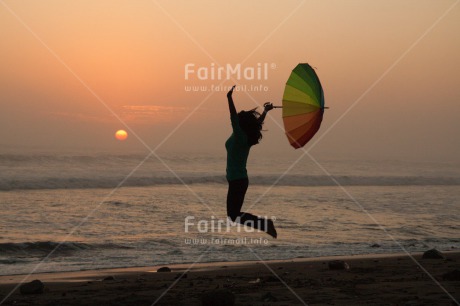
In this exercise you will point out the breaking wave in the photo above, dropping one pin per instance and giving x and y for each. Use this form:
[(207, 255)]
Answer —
[(288, 180), (39, 247)]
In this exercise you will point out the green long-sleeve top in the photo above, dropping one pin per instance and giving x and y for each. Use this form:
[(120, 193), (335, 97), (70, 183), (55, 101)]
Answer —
[(237, 151)]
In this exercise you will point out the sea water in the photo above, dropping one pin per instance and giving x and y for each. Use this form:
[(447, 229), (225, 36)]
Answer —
[(65, 212)]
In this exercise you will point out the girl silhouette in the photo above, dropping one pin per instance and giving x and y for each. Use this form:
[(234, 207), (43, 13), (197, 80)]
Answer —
[(247, 126)]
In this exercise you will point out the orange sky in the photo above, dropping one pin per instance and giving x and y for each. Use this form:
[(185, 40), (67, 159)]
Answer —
[(130, 55)]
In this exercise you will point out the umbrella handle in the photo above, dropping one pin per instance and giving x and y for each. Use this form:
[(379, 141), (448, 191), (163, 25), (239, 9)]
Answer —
[(282, 107)]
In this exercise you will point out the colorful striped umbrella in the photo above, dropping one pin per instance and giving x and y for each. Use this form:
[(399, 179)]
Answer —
[(303, 105)]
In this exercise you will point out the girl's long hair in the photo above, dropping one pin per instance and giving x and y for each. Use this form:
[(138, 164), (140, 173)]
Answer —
[(249, 123)]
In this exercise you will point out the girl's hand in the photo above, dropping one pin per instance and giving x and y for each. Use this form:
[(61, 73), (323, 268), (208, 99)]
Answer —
[(268, 106), (229, 94)]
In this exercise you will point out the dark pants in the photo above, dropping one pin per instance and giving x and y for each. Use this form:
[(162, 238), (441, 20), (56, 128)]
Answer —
[(235, 198)]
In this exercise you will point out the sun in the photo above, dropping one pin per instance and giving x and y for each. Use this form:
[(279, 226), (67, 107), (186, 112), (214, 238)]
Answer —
[(121, 135)]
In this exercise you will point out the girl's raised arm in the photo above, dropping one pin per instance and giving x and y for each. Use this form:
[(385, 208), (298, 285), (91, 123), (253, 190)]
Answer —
[(231, 105)]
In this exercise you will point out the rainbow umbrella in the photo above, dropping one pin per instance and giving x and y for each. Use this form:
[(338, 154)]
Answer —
[(303, 105)]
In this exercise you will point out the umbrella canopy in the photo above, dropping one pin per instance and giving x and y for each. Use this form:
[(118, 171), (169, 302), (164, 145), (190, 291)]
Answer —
[(303, 105)]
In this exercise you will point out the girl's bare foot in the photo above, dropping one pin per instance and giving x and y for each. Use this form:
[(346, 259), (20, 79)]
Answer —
[(271, 229)]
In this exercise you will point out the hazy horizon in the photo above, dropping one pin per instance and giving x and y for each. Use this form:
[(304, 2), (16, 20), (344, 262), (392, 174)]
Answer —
[(133, 57)]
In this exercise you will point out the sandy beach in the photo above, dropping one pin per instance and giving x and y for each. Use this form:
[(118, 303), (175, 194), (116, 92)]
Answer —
[(369, 280)]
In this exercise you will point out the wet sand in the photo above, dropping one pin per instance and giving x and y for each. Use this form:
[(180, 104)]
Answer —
[(370, 280)]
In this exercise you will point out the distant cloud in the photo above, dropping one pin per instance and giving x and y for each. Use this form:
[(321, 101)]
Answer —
[(80, 117), (152, 113), (137, 114), (154, 109)]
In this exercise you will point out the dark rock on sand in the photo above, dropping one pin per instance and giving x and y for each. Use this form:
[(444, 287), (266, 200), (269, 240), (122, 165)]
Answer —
[(109, 278), (433, 254), (164, 269), (34, 287), (181, 276), (271, 279), (220, 297), (375, 245), (268, 297), (338, 265), (452, 275)]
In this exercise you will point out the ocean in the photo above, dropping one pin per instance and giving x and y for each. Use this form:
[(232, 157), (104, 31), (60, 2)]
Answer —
[(63, 212)]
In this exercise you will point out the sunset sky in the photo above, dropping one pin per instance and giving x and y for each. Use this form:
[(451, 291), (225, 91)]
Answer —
[(74, 72)]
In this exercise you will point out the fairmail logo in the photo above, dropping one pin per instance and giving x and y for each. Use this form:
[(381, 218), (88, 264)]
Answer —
[(237, 72)]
